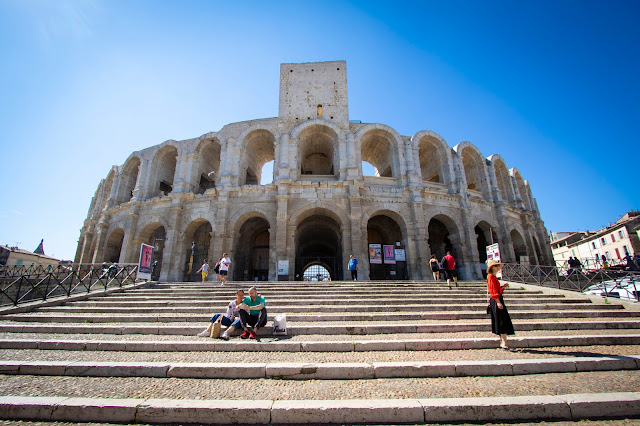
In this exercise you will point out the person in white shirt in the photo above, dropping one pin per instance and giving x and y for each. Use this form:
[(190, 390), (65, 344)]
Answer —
[(230, 319), (224, 267)]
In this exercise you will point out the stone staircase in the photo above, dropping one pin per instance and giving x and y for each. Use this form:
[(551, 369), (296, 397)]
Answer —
[(356, 352)]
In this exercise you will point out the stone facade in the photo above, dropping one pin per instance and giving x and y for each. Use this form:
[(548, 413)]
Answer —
[(197, 198)]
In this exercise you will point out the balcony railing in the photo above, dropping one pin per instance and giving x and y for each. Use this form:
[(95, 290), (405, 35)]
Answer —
[(22, 284)]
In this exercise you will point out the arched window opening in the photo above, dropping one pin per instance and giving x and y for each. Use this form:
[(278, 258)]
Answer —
[(259, 150), (128, 179), (368, 169), (519, 247), (378, 150), (208, 165), (317, 150), (266, 177), (316, 272), (165, 168), (431, 160)]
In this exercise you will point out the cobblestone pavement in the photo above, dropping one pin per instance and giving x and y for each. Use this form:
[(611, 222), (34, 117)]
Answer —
[(442, 387), (382, 356)]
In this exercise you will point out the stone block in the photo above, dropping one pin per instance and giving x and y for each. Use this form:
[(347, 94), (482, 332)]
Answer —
[(435, 344), (217, 370), (19, 344), (603, 405), (204, 412), (44, 368), (107, 345), (326, 371), (327, 346), (347, 411), (62, 345), (117, 369), (28, 407), (542, 366), (10, 367), (380, 345), (414, 369), (483, 368), (96, 410), (502, 409)]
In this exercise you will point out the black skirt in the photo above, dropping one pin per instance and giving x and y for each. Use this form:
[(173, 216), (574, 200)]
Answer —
[(500, 319)]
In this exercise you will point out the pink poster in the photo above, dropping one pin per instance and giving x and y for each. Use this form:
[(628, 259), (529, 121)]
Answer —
[(389, 254)]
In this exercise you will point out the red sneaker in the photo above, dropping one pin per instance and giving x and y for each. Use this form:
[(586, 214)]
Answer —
[(252, 335), (244, 335)]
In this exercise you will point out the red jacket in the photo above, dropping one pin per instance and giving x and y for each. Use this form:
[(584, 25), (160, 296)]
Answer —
[(493, 286)]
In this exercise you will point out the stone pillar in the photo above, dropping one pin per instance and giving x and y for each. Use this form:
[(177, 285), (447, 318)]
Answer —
[(364, 268), (226, 163), (412, 174), (130, 250), (421, 252), (170, 263), (343, 153), (355, 242), (185, 174), (280, 247), (98, 253), (283, 166), (112, 197), (85, 255), (141, 190), (353, 171), (219, 242)]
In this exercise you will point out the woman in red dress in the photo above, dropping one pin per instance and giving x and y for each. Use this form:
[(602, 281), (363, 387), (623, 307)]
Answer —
[(500, 319)]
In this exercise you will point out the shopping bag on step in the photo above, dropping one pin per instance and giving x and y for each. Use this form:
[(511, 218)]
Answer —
[(280, 325)]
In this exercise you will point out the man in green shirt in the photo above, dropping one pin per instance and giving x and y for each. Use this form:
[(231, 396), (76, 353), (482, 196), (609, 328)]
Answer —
[(253, 313)]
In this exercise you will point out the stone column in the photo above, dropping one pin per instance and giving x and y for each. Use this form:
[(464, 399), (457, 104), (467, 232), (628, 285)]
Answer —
[(85, 256), (421, 252), (283, 166), (412, 174), (98, 253), (226, 160), (185, 174), (218, 243), (280, 249), (353, 171), (170, 262), (112, 197), (141, 190), (343, 153)]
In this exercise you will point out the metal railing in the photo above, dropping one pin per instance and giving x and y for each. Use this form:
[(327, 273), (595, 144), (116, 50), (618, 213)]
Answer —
[(617, 283), (22, 284)]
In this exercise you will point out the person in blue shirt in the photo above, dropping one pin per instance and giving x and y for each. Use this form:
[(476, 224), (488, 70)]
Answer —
[(353, 267), (253, 313)]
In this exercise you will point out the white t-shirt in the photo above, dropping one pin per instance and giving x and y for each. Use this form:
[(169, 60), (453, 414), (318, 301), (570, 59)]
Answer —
[(224, 264), (205, 267)]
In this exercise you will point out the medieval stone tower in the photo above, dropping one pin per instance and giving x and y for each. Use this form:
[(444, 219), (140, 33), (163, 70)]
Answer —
[(197, 198)]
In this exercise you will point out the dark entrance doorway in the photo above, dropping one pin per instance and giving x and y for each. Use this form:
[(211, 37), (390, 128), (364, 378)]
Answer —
[(198, 248), (157, 240), (383, 230), (252, 251), (319, 242)]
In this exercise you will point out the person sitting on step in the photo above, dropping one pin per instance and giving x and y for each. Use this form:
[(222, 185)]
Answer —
[(253, 313), (229, 320)]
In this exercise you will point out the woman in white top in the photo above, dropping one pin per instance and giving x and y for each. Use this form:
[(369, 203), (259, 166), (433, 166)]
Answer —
[(230, 319)]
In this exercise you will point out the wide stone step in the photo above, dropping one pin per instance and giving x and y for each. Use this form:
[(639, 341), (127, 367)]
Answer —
[(317, 346), (316, 297), (319, 329), (53, 317), (274, 310), (361, 411), (319, 371), (321, 302)]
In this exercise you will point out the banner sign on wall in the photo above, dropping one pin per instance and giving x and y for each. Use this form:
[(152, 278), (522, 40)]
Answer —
[(389, 254), (283, 267), (493, 253), (144, 265), (375, 253), (400, 255)]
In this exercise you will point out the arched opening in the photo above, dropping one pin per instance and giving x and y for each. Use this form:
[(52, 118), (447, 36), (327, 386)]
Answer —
[(164, 166), (317, 150), (316, 272), (319, 112), (384, 233), (377, 150), (155, 235), (259, 149), (106, 190), (504, 180), (208, 167), (474, 170), (440, 238), (519, 247), (432, 160), (485, 236), (522, 189), (128, 179), (114, 246), (251, 251), (536, 247), (368, 169), (319, 241), (197, 241), (266, 176)]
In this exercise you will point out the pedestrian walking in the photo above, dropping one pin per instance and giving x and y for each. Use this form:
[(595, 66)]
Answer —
[(225, 262), (448, 263), (435, 267), (353, 267), (500, 320), (205, 270)]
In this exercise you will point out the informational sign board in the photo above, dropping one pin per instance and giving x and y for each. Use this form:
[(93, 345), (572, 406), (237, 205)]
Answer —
[(401, 255), (389, 254), (145, 263), (283, 270), (375, 253), (493, 253)]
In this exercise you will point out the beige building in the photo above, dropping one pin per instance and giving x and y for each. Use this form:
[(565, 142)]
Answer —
[(197, 198), (14, 256), (616, 241)]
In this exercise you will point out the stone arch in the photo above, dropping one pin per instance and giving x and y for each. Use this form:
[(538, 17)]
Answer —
[(258, 148), (485, 235), (433, 157), (318, 150), (387, 227), (154, 234), (318, 207), (503, 179), (114, 246), (197, 242), (473, 164), (128, 179), (163, 167), (295, 132), (318, 240), (519, 246), (443, 236), (522, 187), (104, 190), (251, 247), (248, 212), (381, 146), (206, 171)]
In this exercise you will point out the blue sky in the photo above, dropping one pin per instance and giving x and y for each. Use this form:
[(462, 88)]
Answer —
[(551, 86)]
